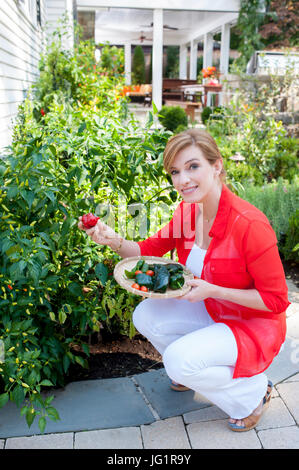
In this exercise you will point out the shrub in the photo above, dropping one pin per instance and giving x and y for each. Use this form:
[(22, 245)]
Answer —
[(138, 66), (285, 161), (205, 114), (291, 246), (279, 201), (171, 117)]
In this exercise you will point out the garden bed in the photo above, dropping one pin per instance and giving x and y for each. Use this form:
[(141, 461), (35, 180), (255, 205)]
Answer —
[(117, 356)]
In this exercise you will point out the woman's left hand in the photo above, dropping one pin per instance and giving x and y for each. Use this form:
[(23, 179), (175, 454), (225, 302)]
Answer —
[(200, 290)]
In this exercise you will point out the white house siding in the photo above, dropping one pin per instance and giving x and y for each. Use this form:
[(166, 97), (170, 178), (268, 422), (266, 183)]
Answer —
[(20, 47), (21, 42)]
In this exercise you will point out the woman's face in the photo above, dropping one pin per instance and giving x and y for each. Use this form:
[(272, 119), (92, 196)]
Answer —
[(193, 176)]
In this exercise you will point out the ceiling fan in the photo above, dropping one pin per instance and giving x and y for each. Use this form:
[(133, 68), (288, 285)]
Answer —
[(165, 26), (141, 38)]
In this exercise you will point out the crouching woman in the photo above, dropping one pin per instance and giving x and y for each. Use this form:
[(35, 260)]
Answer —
[(221, 336)]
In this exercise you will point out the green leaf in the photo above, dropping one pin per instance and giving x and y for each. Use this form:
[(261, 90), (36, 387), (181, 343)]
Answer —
[(85, 348), (101, 272), (4, 399), (46, 383), (82, 127), (50, 195), (42, 423), (18, 395), (66, 363), (81, 361), (155, 109), (109, 181), (75, 288), (53, 413), (62, 316), (30, 415), (28, 196), (12, 192)]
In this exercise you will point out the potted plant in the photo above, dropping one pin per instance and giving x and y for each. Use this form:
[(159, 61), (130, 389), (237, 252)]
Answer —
[(212, 74)]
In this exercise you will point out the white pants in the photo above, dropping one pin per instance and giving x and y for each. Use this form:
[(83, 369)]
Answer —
[(199, 353)]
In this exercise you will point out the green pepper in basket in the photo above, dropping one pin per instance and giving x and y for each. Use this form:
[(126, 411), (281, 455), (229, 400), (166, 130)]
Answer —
[(144, 280), (137, 267), (161, 279), (176, 281)]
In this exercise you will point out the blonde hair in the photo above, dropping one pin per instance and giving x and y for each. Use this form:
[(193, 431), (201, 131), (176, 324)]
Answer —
[(198, 137)]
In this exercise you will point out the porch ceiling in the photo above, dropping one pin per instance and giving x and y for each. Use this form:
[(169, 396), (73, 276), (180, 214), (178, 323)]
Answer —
[(181, 25)]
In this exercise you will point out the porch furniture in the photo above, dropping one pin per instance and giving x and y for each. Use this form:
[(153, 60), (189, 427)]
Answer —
[(145, 92), (193, 92), (171, 88), (188, 106), (213, 89)]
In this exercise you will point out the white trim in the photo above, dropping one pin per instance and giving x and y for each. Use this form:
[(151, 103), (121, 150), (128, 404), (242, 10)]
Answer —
[(195, 5), (128, 64), (208, 50), (157, 73), (193, 60), (183, 61), (225, 48)]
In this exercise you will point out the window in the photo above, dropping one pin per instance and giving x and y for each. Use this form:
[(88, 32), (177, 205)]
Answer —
[(32, 10), (38, 13)]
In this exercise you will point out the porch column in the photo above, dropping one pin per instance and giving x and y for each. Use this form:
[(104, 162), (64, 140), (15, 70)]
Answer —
[(225, 47), (193, 60), (183, 61), (208, 50), (68, 40), (128, 63), (157, 57)]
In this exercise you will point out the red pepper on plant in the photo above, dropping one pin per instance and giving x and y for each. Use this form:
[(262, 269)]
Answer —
[(42, 111), (89, 220)]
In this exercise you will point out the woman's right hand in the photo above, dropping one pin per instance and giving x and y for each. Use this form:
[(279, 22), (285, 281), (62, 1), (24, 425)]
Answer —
[(100, 233)]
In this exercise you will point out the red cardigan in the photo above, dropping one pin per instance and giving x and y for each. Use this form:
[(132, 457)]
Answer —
[(242, 254)]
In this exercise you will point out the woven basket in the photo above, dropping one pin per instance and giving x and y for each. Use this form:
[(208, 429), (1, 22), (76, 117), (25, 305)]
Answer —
[(129, 263)]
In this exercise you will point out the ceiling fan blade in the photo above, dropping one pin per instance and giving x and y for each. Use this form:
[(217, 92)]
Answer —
[(170, 27), (165, 26)]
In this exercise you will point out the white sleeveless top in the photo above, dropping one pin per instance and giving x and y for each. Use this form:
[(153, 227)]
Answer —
[(195, 260)]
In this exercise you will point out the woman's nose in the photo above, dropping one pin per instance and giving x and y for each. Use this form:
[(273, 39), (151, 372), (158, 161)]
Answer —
[(184, 178)]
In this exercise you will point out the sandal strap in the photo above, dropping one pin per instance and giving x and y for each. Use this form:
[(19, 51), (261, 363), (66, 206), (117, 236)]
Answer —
[(251, 420)]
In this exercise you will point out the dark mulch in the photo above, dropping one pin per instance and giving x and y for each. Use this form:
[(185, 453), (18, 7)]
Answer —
[(122, 357), (117, 356)]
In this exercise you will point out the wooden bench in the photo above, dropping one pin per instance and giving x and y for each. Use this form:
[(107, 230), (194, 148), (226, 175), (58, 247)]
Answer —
[(171, 88), (145, 91), (188, 106)]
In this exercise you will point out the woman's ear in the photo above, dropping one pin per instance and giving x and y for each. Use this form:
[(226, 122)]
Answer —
[(218, 165)]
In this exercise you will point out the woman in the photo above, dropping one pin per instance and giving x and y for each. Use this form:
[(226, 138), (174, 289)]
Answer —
[(219, 338)]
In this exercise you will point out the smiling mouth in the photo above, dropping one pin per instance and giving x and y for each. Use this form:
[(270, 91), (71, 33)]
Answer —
[(189, 190)]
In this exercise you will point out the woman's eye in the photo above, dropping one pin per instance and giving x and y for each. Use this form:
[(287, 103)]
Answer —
[(194, 166), (173, 172)]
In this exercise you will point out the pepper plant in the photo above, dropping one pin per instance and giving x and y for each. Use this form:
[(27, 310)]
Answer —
[(57, 286)]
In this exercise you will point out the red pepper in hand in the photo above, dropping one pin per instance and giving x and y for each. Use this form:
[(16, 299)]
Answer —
[(89, 220)]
